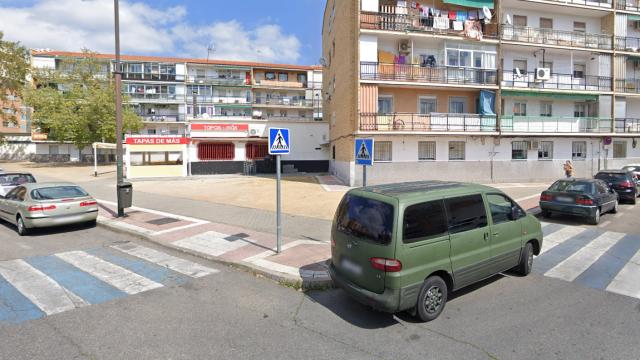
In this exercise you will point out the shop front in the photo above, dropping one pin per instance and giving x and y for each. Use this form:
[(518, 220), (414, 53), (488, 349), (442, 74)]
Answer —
[(156, 156)]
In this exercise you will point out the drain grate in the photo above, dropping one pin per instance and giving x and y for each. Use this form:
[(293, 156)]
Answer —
[(162, 221)]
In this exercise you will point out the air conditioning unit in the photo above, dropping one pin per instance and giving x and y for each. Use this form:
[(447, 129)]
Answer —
[(257, 114), (404, 47), (533, 145), (253, 132), (543, 74)]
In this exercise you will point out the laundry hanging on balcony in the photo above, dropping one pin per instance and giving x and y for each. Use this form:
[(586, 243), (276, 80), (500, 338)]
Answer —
[(487, 102)]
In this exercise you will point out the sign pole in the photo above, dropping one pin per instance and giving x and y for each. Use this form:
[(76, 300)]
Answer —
[(278, 209), (364, 175)]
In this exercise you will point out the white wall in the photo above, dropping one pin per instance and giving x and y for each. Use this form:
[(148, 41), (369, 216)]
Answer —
[(369, 48), (562, 63), (44, 62), (370, 5)]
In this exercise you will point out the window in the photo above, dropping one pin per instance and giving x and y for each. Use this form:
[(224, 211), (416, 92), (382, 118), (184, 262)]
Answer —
[(572, 186), (545, 150), (424, 221), (385, 105), (579, 110), (452, 58), (579, 70), (579, 26), (579, 150), (519, 66), (457, 105), (302, 78), (367, 219), (426, 150), (151, 158), (269, 76), (216, 151), (456, 150), (519, 20), (519, 150), (382, 151), (619, 149), (520, 109), (602, 187), (546, 23), (465, 213), (256, 150), (471, 58), (427, 105), (546, 109), (500, 207), (283, 77), (465, 58)]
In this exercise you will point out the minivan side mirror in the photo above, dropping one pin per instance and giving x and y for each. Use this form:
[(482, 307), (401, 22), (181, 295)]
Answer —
[(516, 213)]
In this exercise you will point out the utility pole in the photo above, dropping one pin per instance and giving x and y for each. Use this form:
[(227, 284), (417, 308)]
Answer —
[(118, 78)]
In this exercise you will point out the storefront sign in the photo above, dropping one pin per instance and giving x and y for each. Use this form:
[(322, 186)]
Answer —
[(39, 136), (220, 127), (157, 140)]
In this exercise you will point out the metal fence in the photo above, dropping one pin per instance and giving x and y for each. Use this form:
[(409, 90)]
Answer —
[(627, 125), (627, 43), (427, 122), (544, 124), (427, 74), (513, 78), (555, 37)]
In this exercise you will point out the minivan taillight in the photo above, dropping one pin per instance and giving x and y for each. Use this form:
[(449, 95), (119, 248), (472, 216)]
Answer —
[(386, 265), (41, 208), (88, 203), (545, 197)]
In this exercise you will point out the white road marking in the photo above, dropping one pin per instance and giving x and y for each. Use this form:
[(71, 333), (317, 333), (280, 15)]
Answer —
[(544, 224), (40, 289), (571, 267), (627, 282), (606, 223), (171, 262), (527, 197), (211, 243), (161, 213), (560, 236), (618, 214), (120, 278)]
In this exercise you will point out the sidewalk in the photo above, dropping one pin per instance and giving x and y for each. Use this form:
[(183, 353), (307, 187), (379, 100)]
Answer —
[(302, 264)]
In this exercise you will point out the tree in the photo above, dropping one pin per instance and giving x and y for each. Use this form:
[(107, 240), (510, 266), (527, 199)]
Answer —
[(76, 102), (14, 67)]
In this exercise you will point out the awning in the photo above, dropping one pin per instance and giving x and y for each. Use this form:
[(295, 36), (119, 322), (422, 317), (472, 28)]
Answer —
[(555, 95), (633, 17), (471, 3)]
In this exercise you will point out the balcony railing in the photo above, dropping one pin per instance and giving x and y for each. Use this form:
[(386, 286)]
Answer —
[(605, 4), (557, 81), (628, 85), (285, 84), (425, 74), (544, 124), (415, 23), (149, 77), (283, 101), (555, 37), (436, 122), (627, 43), (209, 99), (629, 5), (218, 80), (154, 97), (162, 118), (627, 125)]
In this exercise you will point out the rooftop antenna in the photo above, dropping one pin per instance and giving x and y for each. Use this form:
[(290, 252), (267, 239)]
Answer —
[(210, 49)]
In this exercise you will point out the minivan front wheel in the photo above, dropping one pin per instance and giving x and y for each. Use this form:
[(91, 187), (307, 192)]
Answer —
[(432, 298), (526, 260)]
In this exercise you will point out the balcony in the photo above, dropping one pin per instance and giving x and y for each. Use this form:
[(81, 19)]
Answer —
[(281, 84), (531, 35), (602, 4), (283, 102), (556, 81), (154, 97), (544, 124), (628, 5), (148, 76), (627, 125), (624, 43), (162, 118), (415, 23), (434, 122), (209, 99), (422, 74), (628, 86), (218, 80)]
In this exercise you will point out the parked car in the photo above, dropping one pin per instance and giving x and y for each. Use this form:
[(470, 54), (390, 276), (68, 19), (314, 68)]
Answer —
[(634, 168), (35, 205), (11, 180), (587, 198), (623, 182), (406, 246)]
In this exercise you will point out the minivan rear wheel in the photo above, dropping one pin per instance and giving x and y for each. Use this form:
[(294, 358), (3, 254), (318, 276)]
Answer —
[(432, 298), (526, 260)]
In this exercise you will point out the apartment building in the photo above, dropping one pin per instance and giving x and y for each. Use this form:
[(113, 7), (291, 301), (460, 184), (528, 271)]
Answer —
[(221, 108), (477, 90)]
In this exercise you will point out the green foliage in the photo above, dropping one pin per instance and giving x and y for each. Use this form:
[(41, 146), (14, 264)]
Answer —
[(76, 102), (14, 67)]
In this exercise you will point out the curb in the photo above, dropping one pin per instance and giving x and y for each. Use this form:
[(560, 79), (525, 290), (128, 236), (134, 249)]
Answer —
[(295, 282)]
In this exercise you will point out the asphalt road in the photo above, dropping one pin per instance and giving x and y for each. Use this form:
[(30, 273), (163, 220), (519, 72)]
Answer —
[(232, 314)]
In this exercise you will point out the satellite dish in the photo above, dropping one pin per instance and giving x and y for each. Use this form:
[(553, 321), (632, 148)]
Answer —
[(487, 13), (508, 19)]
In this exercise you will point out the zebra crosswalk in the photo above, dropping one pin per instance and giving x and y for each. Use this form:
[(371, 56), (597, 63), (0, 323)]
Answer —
[(604, 260), (38, 286)]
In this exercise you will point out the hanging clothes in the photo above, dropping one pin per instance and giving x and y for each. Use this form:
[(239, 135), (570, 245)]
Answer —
[(472, 30), (441, 22), (458, 25)]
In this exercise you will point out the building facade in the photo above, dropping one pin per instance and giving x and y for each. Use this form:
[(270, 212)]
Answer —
[(477, 90), (223, 108)]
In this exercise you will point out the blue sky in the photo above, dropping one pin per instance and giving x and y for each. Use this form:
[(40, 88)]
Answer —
[(286, 31)]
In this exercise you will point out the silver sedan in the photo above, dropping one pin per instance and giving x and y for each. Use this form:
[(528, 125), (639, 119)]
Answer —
[(35, 205)]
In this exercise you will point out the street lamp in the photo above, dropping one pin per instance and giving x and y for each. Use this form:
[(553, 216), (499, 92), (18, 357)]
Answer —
[(118, 78)]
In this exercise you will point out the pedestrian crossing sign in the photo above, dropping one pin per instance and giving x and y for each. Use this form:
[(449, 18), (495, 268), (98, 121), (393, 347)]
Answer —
[(364, 152), (279, 141)]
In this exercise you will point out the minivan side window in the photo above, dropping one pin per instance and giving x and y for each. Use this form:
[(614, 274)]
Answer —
[(465, 213), (365, 218), (423, 221), (500, 207)]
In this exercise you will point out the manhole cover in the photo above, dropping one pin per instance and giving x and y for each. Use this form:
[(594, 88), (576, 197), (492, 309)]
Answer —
[(162, 221)]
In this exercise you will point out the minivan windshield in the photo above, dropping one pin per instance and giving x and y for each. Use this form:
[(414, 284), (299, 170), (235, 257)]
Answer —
[(365, 218)]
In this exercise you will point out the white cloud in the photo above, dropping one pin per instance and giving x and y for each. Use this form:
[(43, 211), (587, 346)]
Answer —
[(75, 24)]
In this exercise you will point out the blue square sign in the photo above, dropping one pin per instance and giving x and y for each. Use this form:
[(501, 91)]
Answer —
[(279, 141), (364, 152)]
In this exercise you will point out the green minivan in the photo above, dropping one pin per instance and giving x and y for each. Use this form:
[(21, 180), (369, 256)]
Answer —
[(405, 246)]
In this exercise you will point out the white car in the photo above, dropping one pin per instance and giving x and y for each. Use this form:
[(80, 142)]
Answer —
[(8, 181)]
